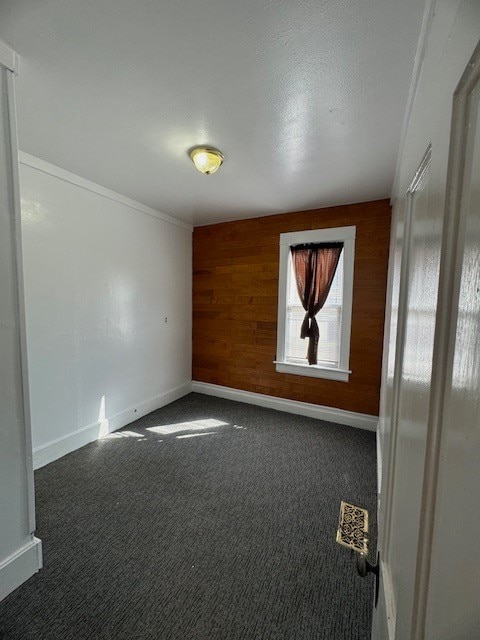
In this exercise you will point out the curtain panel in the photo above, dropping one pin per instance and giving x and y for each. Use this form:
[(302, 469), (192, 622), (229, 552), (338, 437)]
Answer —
[(314, 266)]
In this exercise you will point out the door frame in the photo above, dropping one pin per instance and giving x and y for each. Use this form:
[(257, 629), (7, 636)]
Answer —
[(28, 559)]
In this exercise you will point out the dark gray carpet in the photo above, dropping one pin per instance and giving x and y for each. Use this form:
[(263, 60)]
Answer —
[(228, 535)]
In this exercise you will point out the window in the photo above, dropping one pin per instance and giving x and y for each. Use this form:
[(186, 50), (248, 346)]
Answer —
[(333, 319)]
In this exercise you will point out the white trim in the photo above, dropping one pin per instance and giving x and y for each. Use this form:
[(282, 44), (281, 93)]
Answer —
[(386, 583), (346, 235), (347, 304), (8, 57), (20, 295), (59, 447), (379, 464), (427, 20), (72, 178), (333, 234), (318, 411), (282, 300), (421, 172), (20, 566), (313, 371)]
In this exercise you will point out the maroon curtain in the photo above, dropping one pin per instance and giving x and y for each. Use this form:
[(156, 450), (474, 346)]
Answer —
[(314, 266)]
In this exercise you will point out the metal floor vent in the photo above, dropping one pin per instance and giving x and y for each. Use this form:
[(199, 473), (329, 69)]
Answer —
[(352, 529)]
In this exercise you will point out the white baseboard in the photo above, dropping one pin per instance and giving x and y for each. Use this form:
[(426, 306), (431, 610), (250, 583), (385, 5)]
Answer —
[(379, 462), (330, 414), (74, 440), (20, 566)]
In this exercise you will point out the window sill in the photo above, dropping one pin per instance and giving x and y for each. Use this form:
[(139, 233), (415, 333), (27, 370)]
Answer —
[(313, 371)]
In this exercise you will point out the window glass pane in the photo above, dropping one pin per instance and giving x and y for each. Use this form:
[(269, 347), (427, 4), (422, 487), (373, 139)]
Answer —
[(329, 320)]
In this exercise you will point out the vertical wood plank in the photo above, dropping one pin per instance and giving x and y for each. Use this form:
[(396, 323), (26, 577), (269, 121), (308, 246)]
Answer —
[(235, 289)]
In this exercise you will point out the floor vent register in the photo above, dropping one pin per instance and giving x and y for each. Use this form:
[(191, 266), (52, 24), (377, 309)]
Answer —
[(352, 529)]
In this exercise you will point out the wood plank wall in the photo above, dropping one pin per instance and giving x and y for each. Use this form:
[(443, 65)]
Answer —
[(235, 282)]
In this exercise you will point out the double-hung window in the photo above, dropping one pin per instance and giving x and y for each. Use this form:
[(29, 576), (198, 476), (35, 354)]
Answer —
[(327, 257)]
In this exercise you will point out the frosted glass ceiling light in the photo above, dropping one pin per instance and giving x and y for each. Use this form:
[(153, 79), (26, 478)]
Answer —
[(206, 159)]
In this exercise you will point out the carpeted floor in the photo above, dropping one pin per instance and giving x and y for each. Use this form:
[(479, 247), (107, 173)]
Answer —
[(219, 529)]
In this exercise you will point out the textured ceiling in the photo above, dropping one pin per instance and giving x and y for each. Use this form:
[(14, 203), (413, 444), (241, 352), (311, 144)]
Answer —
[(305, 98)]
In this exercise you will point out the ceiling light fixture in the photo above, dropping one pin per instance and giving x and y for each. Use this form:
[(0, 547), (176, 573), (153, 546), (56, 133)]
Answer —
[(206, 159)]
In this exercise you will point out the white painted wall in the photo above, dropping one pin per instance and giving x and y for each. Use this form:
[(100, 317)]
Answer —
[(101, 275), (20, 551)]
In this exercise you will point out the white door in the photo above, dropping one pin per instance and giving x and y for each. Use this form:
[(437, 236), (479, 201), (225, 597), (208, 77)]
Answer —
[(429, 440), (452, 603), (417, 264)]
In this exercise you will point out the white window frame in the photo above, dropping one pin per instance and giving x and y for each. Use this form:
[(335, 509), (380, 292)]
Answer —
[(339, 234)]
